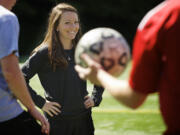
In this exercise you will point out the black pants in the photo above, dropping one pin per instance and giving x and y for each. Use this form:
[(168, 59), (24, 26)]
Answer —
[(24, 124), (79, 125)]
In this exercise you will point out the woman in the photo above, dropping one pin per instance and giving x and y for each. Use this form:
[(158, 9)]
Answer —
[(66, 104)]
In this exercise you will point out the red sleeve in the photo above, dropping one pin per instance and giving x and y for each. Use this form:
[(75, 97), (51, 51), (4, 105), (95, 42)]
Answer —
[(146, 67), (153, 42)]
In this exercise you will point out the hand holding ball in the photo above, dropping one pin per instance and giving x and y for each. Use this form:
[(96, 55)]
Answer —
[(107, 47)]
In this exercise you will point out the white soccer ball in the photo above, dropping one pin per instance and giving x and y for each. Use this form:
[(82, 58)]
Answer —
[(107, 47)]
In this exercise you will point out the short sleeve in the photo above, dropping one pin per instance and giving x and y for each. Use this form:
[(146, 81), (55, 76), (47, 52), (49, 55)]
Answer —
[(147, 56), (146, 66), (9, 34)]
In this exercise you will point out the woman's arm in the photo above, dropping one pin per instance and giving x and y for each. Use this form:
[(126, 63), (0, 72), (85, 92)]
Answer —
[(29, 69), (32, 66), (97, 94)]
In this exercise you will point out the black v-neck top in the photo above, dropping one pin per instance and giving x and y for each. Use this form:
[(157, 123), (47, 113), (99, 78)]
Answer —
[(63, 85)]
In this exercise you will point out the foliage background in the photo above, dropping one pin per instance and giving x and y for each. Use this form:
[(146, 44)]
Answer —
[(122, 15)]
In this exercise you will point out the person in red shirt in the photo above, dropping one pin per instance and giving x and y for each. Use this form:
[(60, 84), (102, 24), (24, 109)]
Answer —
[(155, 66)]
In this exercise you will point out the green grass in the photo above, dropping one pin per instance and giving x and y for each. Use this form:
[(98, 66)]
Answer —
[(113, 118), (125, 123)]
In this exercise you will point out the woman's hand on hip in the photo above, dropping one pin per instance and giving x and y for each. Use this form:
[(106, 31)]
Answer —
[(51, 108), (89, 102)]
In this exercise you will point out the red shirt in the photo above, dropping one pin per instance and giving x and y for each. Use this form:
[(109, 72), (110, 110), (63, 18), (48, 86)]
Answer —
[(156, 60)]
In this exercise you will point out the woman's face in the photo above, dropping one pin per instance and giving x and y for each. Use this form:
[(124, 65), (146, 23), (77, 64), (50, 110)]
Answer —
[(68, 25)]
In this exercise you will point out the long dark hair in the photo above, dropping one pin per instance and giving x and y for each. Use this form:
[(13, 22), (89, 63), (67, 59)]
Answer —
[(55, 48)]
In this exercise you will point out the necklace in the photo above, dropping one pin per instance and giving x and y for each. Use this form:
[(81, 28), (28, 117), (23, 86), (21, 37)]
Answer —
[(68, 57), (68, 54)]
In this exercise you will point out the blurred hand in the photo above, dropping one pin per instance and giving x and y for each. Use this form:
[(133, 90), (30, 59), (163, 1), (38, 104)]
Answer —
[(90, 73), (51, 108), (44, 123), (89, 102)]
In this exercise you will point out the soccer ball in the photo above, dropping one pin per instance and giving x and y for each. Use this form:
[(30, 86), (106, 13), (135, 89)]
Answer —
[(107, 47)]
